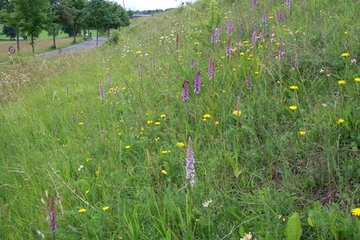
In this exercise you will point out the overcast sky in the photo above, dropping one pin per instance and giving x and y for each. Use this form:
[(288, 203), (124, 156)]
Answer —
[(150, 4)]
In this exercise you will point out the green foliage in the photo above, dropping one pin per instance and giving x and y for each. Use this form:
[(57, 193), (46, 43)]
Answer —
[(114, 37), (274, 135), (293, 227)]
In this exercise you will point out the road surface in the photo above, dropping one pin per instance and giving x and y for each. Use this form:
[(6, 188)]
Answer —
[(84, 45)]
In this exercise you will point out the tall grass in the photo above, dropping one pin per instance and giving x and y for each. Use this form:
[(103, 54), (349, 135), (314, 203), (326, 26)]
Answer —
[(275, 133)]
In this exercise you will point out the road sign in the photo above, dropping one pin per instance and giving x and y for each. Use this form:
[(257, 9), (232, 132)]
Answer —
[(11, 50)]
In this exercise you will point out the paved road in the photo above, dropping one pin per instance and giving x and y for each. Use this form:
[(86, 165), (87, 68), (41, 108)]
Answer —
[(84, 45)]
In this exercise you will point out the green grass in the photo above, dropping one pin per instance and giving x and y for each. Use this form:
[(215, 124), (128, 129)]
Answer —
[(58, 138)]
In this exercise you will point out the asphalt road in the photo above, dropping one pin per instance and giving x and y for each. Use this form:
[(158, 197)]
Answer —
[(84, 45)]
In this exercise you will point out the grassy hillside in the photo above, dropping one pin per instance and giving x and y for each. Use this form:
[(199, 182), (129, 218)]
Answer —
[(220, 120)]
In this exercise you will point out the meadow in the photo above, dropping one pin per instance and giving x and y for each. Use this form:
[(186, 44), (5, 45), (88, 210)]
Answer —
[(220, 120)]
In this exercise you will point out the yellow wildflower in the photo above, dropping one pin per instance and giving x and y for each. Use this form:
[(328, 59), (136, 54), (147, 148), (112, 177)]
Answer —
[(340, 121), (163, 115), (157, 123), (357, 79), (81, 123), (237, 113), (149, 121), (341, 82), (356, 212), (180, 144), (345, 54), (302, 133), (105, 208), (82, 210), (164, 172), (293, 108), (87, 191), (127, 147), (294, 87), (138, 52)]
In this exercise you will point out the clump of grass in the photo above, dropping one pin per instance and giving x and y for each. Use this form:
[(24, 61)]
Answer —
[(273, 126)]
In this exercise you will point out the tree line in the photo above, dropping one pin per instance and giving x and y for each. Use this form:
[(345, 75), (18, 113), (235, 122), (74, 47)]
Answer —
[(31, 17)]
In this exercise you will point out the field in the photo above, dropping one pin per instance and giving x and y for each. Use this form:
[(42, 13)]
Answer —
[(220, 120)]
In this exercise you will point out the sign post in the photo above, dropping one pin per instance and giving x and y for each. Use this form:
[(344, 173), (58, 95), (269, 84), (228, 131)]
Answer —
[(11, 50)]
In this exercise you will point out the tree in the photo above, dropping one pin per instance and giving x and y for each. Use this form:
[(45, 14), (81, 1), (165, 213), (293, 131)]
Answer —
[(103, 15), (9, 31), (31, 16), (60, 14), (73, 29)]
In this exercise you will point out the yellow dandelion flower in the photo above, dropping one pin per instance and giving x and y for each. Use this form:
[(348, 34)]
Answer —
[(216, 122), (346, 32), (164, 172), (157, 123), (138, 52), (180, 144), (165, 151), (82, 210), (293, 108), (237, 113), (294, 87), (340, 121), (245, 42), (105, 208), (242, 53), (256, 73), (341, 82), (357, 79), (149, 121), (87, 191), (163, 115), (356, 212), (81, 123), (345, 54), (206, 115), (302, 133), (127, 147)]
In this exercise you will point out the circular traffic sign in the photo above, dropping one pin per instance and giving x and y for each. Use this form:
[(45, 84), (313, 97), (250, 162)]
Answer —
[(11, 50)]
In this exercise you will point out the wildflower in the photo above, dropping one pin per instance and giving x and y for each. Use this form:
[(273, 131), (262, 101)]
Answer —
[(340, 121), (229, 26), (287, 4), (207, 203), (87, 192), (138, 52), (80, 167), (127, 147), (293, 108), (192, 64), (165, 151), (185, 90), (153, 61), (216, 122), (302, 133), (81, 123), (163, 116), (149, 121), (180, 144), (263, 17), (254, 37), (280, 16), (294, 87), (82, 210), (345, 54), (341, 82), (197, 82), (206, 115), (211, 68), (357, 79), (247, 236), (190, 164), (138, 70), (52, 215), (164, 172), (254, 3), (356, 212), (280, 54), (228, 48), (157, 123), (352, 61), (237, 113), (101, 91), (105, 208), (215, 35)]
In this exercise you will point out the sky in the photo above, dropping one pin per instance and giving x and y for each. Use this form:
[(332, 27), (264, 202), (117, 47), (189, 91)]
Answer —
[(150, 4)]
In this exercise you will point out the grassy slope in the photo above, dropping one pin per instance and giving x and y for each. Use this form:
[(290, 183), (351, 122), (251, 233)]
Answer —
[(58, 138)]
